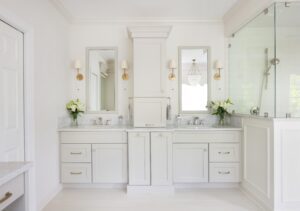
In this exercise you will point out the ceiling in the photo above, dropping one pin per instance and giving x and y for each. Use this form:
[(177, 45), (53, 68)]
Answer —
[(144, 10)]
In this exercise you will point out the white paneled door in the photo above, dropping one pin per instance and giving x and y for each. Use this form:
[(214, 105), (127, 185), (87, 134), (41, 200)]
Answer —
[(11, 94)]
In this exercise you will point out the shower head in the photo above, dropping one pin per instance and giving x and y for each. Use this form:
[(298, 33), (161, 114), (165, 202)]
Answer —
[(274, 61)]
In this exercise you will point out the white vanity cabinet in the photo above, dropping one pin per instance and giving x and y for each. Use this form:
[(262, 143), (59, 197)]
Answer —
[(206, 156), (93, 157), (139, 158), (109, 163), (190, 163), (161, 158), (150, 158)]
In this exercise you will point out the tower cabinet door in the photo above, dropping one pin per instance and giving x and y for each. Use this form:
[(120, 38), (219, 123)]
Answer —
[(139, 158), (149, 67), (150, 112), (161, 158), (190, 163), (109, 163)]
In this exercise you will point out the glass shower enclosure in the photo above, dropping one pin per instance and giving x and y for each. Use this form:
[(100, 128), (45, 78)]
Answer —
[(264, 63)]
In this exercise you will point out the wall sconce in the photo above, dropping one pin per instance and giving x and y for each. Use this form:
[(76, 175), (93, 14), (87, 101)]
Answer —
[(77, 65), (172, 67), (219, 67), (124, 67)]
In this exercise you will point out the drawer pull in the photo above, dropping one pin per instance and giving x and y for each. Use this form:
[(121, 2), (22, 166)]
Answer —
[(76, 173), (7, 196), (224, 172), (75, 153), (224, 153), (149, 125)]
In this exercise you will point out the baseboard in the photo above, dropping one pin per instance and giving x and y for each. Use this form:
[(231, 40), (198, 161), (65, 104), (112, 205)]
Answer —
[(255, 200), (206, 185), (50, 196)]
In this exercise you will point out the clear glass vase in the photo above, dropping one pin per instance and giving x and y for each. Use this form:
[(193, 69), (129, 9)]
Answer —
[(74, 122), (222, 121)]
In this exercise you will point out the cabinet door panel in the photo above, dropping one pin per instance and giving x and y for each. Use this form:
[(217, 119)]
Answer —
[(161, 158), (149, 68), (150, 112), (139, 158), (109, 163), (190, 163)]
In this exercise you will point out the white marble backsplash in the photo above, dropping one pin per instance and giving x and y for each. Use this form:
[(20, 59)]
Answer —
[(91, 119)]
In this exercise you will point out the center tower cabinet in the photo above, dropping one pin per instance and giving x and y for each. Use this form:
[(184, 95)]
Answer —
[(149, 153), (149, 75)]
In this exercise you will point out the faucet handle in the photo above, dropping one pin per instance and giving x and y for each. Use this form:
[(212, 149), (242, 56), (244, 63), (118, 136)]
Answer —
[(100, 120), (201, 121), (108, 121)]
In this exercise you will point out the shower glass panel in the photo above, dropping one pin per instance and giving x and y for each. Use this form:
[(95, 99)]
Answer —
[(252, 66), (288, 52)]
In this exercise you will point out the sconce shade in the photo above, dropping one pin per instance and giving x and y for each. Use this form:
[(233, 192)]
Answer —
[(124, 64), (172, 64), (77, 64), (219, 65)]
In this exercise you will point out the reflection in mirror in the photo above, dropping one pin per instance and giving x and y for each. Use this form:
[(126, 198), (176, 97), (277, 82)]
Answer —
[(193, 83), (101, 79)]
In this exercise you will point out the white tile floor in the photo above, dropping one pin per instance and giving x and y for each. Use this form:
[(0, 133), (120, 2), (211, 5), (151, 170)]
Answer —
[(182, 200)]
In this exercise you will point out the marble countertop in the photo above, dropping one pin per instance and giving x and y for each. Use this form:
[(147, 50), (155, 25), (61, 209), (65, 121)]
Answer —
[(133, 129), (9, 170)]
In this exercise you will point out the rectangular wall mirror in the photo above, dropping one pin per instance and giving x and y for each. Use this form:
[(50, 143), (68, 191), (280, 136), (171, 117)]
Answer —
[(101, 80), (193, 79)]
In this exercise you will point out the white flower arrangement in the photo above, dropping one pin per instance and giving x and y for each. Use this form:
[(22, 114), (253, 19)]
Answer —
[(75, 108), (220, 108)]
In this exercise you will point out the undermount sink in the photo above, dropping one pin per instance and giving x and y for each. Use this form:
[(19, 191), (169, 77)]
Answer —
[(100, 126), (194, 127)]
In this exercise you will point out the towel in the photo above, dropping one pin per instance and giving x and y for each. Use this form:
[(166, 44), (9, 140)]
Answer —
[(168, 112)]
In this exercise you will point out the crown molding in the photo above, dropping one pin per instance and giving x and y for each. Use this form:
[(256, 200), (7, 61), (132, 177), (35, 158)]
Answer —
[(149, 31)]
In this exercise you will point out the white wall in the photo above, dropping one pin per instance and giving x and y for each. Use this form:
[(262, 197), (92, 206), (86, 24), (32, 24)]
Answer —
[(115, 35), (51, 79)]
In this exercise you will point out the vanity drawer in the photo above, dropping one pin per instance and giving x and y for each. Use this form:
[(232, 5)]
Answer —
[(76, 173), (98, 137), (11, 191), (224, 172), (76, 153), (224, 153)]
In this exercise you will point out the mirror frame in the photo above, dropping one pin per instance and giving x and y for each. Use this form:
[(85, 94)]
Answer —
[(180, 48), (87, 80)]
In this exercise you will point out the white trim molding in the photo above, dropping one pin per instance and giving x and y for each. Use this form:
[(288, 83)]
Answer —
[(29, 146), (149, 31)]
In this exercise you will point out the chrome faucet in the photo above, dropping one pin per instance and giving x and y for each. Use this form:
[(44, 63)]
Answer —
[(100, 121), (196, 120)]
